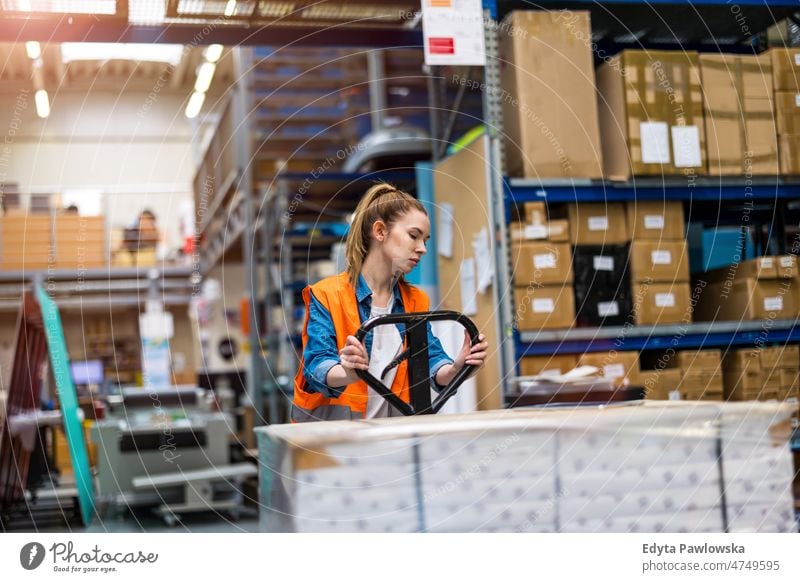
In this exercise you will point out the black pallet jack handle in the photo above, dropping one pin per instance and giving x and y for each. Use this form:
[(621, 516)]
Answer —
[(418, 366)]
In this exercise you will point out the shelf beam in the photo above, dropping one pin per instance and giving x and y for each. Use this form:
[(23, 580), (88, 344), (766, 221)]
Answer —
[(656, 337)]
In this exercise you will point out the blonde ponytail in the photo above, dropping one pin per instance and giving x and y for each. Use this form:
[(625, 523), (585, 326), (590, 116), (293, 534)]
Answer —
[(381, 202)]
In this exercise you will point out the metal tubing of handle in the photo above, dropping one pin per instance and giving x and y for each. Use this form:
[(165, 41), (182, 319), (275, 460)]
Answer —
[(420, 404)]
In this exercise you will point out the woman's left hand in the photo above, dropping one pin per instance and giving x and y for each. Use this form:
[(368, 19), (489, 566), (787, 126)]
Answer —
[(472, 355)]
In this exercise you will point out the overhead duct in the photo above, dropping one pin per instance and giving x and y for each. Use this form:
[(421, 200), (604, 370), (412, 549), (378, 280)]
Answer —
[(386, 147)]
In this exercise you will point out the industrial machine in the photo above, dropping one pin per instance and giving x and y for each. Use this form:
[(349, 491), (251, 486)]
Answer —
[(168, 447)]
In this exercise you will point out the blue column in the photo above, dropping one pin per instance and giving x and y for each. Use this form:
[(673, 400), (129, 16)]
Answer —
[(426, 275)]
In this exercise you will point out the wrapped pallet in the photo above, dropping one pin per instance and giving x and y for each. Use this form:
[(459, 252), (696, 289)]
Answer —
[(653, 467)]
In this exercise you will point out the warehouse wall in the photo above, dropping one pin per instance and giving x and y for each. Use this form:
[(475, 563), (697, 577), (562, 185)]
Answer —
[(140, 155)]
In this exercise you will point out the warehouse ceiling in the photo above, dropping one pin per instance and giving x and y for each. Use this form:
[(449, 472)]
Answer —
[(72, 67), (222, 21)]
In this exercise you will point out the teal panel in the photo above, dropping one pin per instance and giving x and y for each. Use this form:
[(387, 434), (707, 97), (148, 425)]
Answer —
[(59, 363)]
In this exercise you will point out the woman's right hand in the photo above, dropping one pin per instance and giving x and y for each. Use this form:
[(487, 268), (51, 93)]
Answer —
[(353, 356)]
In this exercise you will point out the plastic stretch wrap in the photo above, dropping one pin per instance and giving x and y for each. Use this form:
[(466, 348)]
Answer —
[(648, 467)]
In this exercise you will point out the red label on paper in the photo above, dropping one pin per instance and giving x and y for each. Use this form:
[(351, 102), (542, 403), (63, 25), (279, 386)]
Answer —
[(441, 46)]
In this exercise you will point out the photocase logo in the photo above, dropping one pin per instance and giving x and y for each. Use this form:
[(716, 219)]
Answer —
[(31, 555)]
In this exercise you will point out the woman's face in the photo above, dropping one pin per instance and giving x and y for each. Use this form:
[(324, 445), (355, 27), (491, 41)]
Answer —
[(404, 243)]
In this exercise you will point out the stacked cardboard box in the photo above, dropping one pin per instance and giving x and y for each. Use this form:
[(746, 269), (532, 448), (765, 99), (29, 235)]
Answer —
[(547, 365), (549, 106), (763, 288), (701, 374), (26, 243), (80, 241), (542, 276), (534, 224), (651, 114), (786, 83), (762, 373), (620, 367), (739, 115), (660, 384), (659, 263)]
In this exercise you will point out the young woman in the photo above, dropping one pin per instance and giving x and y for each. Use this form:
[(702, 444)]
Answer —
[(386, 240)]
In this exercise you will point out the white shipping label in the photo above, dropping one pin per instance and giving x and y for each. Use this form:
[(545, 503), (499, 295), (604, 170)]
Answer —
[(797, 99), (686, 146), (603, 263), (655, 142), (544, 261), (786, 261), (534, 232), (674, 395), (767, 262), (797, 59), (607, 308), (654, 221), (543, 305), (661, 257), (598, 223), (614, 371), (773, 303), (665, 300)]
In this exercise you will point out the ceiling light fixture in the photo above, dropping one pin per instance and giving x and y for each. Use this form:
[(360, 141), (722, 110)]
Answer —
[(195, 104), (204, 76), (230, 8), (42, 103), (34, 49), (214, 52)]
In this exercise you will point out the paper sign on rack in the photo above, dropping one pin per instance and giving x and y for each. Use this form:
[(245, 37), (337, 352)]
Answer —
[(483, 258), (445, 230), (453, 32), (469, 302)]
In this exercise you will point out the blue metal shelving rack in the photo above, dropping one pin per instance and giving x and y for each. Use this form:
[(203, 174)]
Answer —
[(701, 189)]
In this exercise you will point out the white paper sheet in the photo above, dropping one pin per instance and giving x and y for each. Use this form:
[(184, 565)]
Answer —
[(469, 302), (483, 258), (686, 146), (655, 142), (444, 234)]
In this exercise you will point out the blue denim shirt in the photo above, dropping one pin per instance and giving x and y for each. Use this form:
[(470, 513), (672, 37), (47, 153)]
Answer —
[(321, 353)]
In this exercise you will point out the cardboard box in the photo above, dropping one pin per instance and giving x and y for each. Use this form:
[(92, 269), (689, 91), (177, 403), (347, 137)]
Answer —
[(744, 361), (521, 231), (702, 385), (739, 115), (550, 115), (615, 366), (558, 230), (552, 365), (659, 383), (598, 224), (541, 263), (787, 112), (760, 268), (742, 386), (651, 114), (544, 308), (786, 267), (535, 212), (785, 69), (700, 360), (659, 303), (754, 299), (666, 261), (789, 149), (651, 220)]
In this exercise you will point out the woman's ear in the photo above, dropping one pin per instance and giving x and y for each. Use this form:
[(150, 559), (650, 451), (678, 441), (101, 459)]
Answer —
[(379, 230)]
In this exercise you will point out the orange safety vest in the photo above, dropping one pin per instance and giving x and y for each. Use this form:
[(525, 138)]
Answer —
[(338, 296)]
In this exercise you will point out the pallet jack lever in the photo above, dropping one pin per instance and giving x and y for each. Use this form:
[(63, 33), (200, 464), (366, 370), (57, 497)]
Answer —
[(416, 352)]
